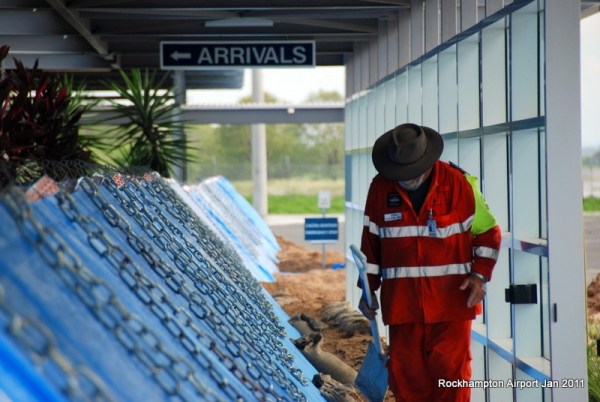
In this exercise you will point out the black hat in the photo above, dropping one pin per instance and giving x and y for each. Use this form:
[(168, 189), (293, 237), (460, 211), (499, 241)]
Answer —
[(407, 151)]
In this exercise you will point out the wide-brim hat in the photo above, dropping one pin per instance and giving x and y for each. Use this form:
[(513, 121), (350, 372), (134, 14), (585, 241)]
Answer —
[(407, 151)]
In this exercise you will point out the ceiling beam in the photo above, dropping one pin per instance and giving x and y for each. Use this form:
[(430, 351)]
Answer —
[(83, 28), (64, 62), (245, 114), (44, 44)]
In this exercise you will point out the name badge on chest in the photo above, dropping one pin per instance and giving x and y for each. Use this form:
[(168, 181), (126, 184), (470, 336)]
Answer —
[(431, 225), (395, 216)]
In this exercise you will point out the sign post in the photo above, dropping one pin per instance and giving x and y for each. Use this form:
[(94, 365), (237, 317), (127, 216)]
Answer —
[(322, 230)]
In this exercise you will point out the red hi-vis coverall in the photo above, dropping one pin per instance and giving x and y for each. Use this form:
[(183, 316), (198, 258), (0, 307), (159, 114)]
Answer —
[(419, 262)]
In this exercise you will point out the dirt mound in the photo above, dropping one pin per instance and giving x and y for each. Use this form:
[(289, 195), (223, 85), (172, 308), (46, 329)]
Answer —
[(303, 287), (593, 298), (293, 258)]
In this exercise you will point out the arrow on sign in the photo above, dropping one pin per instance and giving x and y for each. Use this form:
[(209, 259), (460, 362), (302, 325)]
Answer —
[(176, 55)]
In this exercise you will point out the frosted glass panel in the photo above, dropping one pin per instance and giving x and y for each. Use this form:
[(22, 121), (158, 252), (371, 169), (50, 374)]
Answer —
[(469, 155), (524, 63), (390, 105), (450, 153), (528, 324), (402, 98), (495, 172), (363, 128), (415, 95), (379, 126), (430, 93), (525, 174), (372, 117), (493, 66), (468, 83), (448, 90)]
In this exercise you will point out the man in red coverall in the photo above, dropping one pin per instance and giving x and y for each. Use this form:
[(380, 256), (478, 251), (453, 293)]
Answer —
[(431, 243)]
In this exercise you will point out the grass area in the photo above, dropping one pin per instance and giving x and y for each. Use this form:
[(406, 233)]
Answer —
[(591, 204), (297, 196), (294, 186), (301, 204)]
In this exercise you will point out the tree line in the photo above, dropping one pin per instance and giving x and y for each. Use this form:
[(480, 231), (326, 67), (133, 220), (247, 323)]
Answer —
[(293, 150)]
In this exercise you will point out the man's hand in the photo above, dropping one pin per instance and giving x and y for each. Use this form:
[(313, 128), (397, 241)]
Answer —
[(370, 313), (477, 288)]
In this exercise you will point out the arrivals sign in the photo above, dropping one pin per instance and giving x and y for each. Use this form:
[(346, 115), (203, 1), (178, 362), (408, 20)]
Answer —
[(213, 55)]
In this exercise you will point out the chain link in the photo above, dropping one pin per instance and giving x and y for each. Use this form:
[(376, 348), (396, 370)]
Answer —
[(212, 286), (242, 332), (175, 376), (77, 382)]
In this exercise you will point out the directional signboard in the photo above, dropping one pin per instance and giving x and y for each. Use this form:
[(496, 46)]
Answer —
[(321, 229), (212, 55)]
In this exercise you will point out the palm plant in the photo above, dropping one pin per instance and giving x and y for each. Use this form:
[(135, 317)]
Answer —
[(151, 132)]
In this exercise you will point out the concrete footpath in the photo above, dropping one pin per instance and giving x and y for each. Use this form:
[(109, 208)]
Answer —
[(591, 223), (291, 227)]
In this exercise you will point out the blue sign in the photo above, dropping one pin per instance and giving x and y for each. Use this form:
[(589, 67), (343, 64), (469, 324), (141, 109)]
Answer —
[(321, 229), (207, 55)]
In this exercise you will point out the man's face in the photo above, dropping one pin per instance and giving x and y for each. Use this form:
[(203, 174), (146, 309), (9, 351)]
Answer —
[(413, 184)]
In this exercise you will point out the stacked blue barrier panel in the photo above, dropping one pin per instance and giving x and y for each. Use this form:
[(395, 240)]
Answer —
[(232, 216), (118, 291), (251, 259), (247, 213)]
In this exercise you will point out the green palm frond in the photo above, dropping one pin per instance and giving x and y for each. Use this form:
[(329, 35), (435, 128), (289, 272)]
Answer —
[(152, 131)]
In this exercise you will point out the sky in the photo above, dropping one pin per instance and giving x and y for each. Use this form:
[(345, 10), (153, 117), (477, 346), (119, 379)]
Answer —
[(294, 85)]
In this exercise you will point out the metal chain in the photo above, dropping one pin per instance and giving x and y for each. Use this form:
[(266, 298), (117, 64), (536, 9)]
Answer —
[(175, 376), (176, 320), (211, 246), (77, 382), (207, 281)]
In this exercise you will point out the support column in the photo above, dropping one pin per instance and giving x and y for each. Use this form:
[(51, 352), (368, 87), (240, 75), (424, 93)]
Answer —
[(259, 150), (568, 336), (179, 89)]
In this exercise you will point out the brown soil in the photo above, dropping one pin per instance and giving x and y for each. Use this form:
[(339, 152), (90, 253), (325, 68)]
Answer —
[(304, 287), (593, 298)]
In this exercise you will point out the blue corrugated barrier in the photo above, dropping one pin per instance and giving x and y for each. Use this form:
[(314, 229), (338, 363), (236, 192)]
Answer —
[(130, 288), (237, 221)]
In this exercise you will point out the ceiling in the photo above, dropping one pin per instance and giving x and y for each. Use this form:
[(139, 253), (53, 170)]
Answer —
[(98, 37)]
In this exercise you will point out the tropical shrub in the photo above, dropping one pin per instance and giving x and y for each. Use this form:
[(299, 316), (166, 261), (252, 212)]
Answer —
[(38, 122)]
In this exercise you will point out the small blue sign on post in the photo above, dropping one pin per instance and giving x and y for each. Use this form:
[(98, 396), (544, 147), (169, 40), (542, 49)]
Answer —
[(321, 230)]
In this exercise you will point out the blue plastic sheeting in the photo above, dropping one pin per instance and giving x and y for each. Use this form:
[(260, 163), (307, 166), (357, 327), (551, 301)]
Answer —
[(117, 290), (234, 219)]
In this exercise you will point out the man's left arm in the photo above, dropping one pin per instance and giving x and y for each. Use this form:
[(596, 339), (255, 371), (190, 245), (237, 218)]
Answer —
[(487, 236)]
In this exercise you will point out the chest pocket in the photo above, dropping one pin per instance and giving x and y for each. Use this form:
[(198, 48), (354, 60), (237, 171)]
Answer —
[(442, 203)]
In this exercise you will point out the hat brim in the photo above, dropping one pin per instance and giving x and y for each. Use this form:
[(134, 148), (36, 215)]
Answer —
[(395, 171)]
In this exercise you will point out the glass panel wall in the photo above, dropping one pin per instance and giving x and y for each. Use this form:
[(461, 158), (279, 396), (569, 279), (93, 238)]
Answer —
[(484, 92)]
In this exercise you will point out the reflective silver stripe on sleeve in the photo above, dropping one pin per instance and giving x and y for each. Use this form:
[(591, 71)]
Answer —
[(373, 228), (423, 231), (425, 272), (372, 269), (486, 252)]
